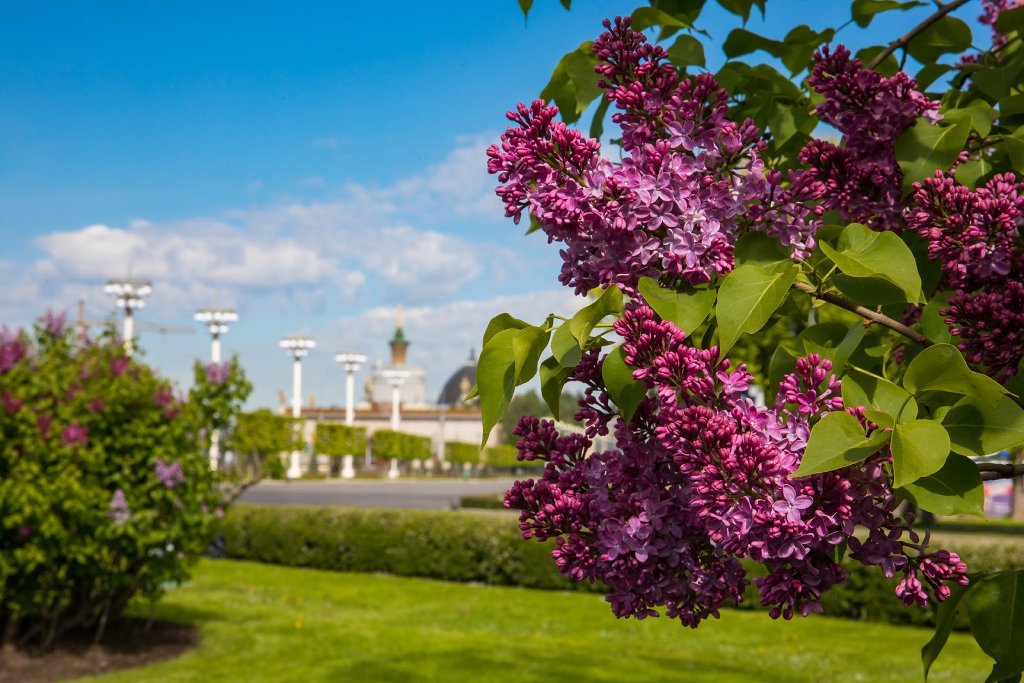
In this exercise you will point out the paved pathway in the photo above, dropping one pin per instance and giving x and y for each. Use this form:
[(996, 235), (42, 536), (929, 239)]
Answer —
[(428, 494)]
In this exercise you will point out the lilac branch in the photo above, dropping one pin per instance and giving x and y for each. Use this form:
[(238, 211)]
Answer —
[(995, 470), (905, 39), (866, 313)]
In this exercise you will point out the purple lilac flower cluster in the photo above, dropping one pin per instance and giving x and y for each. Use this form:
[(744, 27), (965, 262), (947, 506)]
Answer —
[(976, 237), (691, 183), (118, 509), (169, 474), (989, 17), (217, 373), (861, 177), (75, 434), (702, 478), (12, 349)]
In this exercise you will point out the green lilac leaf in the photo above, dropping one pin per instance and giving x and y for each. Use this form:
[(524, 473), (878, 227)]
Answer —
[(527, 345), (878, 394), (582, 324), (919, 448), (626, 392), (862, 252), (564, 347), (553, 377), (685, 309), (864, 11), (956, 489), (926, 147), (747, 299), (995, 607), (495, 378), (838, 440), (501, 322), (686, 51), (941, 367), (946, 35), (977, 428), (945, 615)]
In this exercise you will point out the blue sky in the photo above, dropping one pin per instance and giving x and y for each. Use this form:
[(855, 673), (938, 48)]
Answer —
[(311, 164)]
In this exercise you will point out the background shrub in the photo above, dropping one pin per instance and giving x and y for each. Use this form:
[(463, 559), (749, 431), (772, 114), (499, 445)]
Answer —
[(104, 489), (391, 444), (461, 452), (259, 439), (504, 456), (337, 440)]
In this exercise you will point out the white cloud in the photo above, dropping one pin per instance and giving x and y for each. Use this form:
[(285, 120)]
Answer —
[(460, 183), (294, 263)]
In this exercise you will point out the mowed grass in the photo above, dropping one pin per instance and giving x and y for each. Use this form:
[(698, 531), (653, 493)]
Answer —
[(266, 623)]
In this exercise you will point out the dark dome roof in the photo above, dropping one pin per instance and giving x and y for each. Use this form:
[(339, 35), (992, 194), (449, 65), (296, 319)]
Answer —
[(459, 384)]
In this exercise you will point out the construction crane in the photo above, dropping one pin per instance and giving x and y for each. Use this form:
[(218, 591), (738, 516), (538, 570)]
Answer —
[(82, 324)]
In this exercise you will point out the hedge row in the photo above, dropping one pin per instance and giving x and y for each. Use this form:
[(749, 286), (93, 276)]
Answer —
[(460, 451), (390, 444), (337, 440), (440, 545), (500, 455), (486, 547)]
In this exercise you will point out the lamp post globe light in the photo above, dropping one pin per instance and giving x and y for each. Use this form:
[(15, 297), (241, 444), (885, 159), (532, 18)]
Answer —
[(130, 295), (396, 378), (298, 348), (216, 321), (352, 360)]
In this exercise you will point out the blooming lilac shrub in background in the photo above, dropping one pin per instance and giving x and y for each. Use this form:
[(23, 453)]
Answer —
[(723, 217), (100, 467)]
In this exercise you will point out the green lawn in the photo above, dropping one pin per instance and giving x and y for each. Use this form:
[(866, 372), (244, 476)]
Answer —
[(274, 624)]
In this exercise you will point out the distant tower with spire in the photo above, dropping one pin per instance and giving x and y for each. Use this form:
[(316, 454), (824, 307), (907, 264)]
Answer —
[(414, 391), (399, 344)]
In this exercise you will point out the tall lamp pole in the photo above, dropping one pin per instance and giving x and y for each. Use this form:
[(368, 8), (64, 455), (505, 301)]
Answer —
[(298, 348), (396, 378), (216, 321), (130, 295), (351, 360)]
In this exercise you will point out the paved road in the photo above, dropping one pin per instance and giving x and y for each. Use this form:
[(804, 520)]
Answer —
[(428, 494)]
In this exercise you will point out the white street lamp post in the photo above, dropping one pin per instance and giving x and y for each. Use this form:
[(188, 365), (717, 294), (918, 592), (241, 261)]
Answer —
[(396, 378), (351, 361), (130, 295), (298, 348), (216, 321)]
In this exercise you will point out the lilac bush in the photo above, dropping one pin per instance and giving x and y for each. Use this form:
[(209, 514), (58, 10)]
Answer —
[(101, 473)]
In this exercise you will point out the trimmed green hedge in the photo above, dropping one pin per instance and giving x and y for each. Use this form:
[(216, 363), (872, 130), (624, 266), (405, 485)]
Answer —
[(505, 456), (337, 440), (459, 451), (390, 444), (483, 502), (486, 547), (478, 547)]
